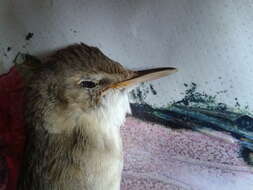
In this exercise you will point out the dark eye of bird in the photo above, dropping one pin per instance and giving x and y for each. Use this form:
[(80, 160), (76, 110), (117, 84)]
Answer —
[(87, 84)]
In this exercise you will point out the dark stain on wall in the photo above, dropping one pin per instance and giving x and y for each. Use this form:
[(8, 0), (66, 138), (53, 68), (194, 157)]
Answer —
[(152, 89), (29, 36), (140, 93)]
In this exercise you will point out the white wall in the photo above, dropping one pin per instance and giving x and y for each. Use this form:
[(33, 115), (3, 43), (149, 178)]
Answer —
[(211, 42)]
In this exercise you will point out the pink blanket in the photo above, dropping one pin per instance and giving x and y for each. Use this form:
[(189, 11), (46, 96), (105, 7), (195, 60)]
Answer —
[(160, 158)]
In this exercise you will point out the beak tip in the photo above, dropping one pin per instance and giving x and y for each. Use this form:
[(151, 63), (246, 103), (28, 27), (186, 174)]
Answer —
[(175, 69), (171, 68)]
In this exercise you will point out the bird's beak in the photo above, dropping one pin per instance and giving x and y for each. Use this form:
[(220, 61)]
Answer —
[(145, 75)]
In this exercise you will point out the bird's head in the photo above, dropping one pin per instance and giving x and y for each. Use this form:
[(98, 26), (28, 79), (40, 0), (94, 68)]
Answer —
[(81, 79)]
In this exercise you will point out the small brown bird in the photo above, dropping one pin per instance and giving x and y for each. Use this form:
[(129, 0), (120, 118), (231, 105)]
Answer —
[(76, 102)]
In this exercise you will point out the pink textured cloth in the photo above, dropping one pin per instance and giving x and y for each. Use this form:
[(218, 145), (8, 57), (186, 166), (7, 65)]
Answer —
[(160, 158)]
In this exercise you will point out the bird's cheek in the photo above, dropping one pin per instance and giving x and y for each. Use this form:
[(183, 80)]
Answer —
[(97, 97)]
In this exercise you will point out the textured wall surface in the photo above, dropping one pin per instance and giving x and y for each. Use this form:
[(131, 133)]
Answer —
[(209, 41)]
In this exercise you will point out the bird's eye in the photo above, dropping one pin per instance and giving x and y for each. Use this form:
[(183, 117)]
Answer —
[(87, 84)]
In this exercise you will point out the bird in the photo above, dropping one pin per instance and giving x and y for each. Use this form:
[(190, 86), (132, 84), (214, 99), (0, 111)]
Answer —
[(76, 102)]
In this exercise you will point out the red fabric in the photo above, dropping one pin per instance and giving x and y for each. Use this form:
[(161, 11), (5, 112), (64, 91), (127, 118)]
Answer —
[(12, 133)]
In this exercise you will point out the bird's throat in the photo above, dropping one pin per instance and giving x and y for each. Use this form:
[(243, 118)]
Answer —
[(100, 126)]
